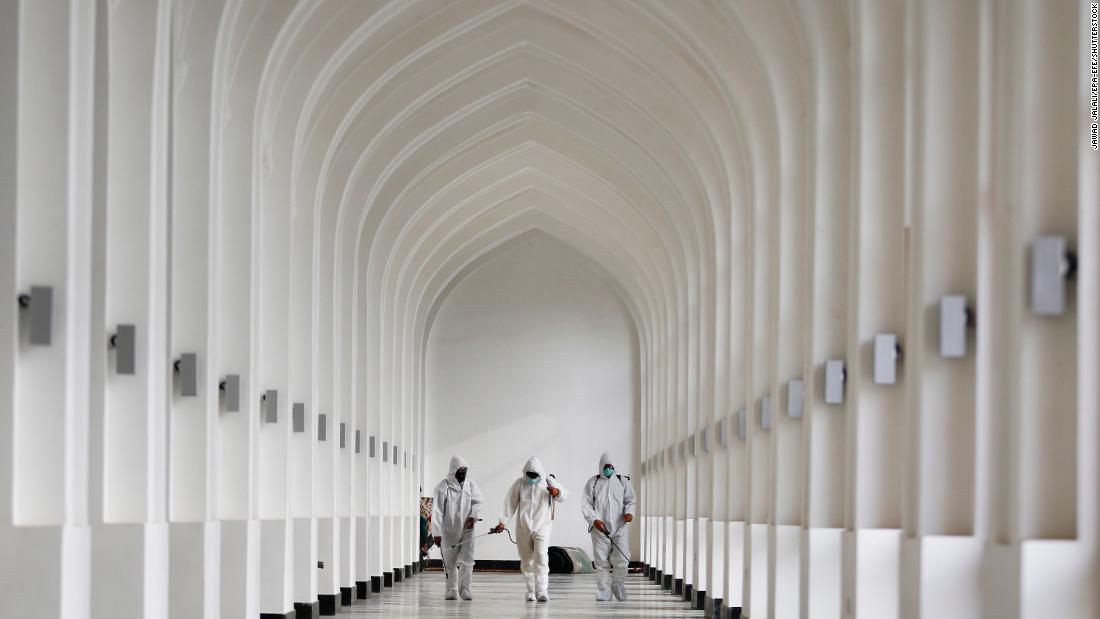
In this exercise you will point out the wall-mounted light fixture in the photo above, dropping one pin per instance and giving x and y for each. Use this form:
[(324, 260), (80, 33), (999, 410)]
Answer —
[(795, 399), (886, 357), (1052, 266), (38, 304), (835, 376), (298, 417), (230, 388), (187, 373), (124, 344), (269, 406), (955, 317)]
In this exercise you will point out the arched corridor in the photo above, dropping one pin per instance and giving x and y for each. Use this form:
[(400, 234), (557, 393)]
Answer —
[(824, 274)]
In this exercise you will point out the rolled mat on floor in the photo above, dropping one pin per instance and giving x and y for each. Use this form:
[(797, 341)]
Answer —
[(569, 560)]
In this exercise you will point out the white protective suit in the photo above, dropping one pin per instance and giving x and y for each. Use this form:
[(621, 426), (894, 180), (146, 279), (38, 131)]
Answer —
[(533, 506), (454, 502), (609, 499)]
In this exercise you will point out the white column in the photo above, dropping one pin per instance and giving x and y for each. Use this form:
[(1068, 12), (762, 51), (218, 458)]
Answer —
[(827, 314), (940, 559), (876, 297)]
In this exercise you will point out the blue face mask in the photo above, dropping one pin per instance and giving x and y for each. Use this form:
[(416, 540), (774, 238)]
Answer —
[(608, 471), (532, 480)]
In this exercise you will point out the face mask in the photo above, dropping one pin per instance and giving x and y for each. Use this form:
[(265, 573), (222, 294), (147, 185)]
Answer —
[(460, 475), (608, 471), (532, 478)]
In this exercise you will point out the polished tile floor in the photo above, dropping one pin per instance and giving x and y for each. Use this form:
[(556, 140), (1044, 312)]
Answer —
[(501, 595)]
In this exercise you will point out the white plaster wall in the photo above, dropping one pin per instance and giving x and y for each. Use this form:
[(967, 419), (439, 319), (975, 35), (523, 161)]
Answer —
[(532, 354)]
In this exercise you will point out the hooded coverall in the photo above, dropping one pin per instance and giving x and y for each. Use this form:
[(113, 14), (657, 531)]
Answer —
[(533, 505), (609, 499), (454, 502)]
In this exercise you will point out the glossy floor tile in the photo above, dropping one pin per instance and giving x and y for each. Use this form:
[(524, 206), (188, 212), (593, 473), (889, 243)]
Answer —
[(501, 595)]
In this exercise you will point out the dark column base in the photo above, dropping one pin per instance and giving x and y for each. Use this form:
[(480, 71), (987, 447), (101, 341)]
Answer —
[(362, 589), (712, 608), (408, 571), (376, 584), (658, 576), (689, 592), (387, 579), (307, 610), (398, 574), (666, 582), (651, 573), (327, 603), (731, 612), (700, 600), (286, 615), (678, 586), (345, 596)]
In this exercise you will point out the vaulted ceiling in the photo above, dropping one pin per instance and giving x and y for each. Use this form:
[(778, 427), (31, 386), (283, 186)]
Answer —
[(403, 140)]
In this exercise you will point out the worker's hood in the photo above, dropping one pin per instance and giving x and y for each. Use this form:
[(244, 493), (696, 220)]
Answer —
[(534, 466), (605, 459), (456, 463)]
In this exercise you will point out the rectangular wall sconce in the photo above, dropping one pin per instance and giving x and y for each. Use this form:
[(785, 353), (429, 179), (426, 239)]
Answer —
[(690, 445), (231, 392), (38, 304), (1051, 265), (766, 412), (322, 427), (886, 359), (722, 429), (795, 399), (187, 371), (357, 441), (742, 425), (298, 416), (954, 319), (343, 428), (704, 439), (269, 406), (370, 447), (395, 455), (385, 451), (124, 343), (834, 381)]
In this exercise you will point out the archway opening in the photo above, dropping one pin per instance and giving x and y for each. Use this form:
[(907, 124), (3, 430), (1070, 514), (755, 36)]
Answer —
[(532, 353)]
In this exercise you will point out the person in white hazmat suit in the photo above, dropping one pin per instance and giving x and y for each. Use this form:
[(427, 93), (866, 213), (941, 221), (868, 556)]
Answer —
[(455, 510), (533, 500), (608, 507)]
